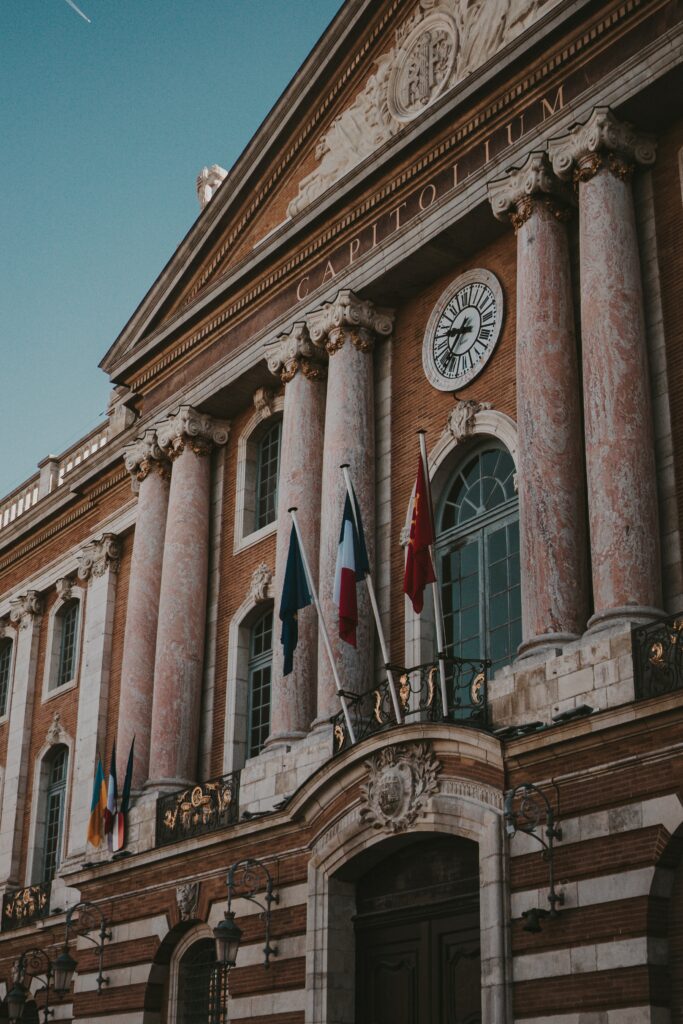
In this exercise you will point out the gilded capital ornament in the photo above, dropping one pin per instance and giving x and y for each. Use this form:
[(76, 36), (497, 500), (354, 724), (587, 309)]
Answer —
[(349, 318), (512, 198), (191, 429), (144, 456), (294, 351), (603, 141), (99, 556), (25, 608)]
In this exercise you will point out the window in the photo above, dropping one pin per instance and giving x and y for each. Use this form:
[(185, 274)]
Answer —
[(478, 559), (5, 671), (267, 465), (56, 765), (260, 663), (202, 988), (67, 642)]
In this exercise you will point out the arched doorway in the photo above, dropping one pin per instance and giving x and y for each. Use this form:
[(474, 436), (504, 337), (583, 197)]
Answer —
[(417, 934)]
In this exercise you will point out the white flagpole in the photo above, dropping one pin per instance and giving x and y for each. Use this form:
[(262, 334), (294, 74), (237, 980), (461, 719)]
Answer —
[(326, 638), (438, 609), (373, 602)]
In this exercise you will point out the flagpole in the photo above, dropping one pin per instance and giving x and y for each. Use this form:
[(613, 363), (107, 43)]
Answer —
[(326, 638), (436, 592), (373, 601)]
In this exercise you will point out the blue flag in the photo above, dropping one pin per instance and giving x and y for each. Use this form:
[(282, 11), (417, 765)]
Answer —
[(295, 595)]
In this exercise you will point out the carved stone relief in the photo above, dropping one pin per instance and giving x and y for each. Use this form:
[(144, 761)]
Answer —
[(401, 779), (261, 580), (436, 47), (263, 402), (187, 898), (25, 607), (209, 180), (99, 556), (461, 418), (55, 732)]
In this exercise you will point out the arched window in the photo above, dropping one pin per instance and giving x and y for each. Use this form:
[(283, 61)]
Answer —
[(66, 636), (55, 800), (5, 673), (478, 558), (202, 991), (267, 466), (260, 665)]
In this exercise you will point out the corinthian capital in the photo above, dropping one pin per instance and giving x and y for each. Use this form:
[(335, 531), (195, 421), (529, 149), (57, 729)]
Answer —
[(295, 351), (602, 141), (99, 556), (25, 608), (191, 429), (144, 456), (512, 198), (349, 317)]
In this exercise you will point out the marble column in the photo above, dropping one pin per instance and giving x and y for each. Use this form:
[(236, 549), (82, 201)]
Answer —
[(151, 472), (98, 563), (25, 615), (301, 366), (600, 157), (187, 438), (553, 549), (347, 328)]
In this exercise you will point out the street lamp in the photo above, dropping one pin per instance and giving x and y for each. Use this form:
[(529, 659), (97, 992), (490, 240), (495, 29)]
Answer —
[(247, 876), (89, 917), (37, 964), (525, 806)]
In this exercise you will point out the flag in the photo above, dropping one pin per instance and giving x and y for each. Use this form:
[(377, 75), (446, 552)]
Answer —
[(419, 569), (97, 806), (352, 567), (112, 798), (119, 830), (295, 595)]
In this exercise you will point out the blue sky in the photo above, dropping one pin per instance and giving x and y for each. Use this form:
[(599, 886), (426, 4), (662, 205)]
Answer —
[(104, 127)]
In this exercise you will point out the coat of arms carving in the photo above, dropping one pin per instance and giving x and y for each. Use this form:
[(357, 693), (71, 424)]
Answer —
[(401, 781)]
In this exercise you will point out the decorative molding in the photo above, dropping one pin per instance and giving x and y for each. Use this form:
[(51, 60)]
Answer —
[(439, 45), (603, 141), (191, 429), (473, 791), (144, 456), (55, 733), (64, 588), (512, 197), (263, 402), (349, 317), (401, 781), (259, 587), (462, 419), (187, 898), (209, 180), (295, 351), (25, 608), (404, 536), (99, 556)]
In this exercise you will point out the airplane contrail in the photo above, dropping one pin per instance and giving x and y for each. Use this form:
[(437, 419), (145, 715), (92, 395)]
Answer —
[(79, 11)]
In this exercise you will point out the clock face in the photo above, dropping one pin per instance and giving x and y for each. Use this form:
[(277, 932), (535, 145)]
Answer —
[(463, 330)]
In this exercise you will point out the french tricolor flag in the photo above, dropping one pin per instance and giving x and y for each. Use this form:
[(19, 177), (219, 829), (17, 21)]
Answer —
[(352, 567)]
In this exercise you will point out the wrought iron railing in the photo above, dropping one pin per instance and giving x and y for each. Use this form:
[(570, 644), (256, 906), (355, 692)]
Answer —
[(206, 807), (23, 906), (658, 657), (419, 696)]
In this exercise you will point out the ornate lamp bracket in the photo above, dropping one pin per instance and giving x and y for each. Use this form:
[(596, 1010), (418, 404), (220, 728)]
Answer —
[(527, 809), (245, 879), (89, 918)]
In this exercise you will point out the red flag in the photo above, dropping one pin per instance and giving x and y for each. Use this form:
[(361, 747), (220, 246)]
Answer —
[(419, 569)]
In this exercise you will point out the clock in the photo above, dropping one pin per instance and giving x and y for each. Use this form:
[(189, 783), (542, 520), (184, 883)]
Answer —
[(463, 330)]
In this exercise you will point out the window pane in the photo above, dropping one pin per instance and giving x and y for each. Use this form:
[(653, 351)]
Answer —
[(267, 476), (67, 650), (54, 813), (5, 666), (259, 683), (202, 993)]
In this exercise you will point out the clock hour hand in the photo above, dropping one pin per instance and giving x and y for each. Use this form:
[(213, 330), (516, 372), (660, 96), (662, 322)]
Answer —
[(458, 332)]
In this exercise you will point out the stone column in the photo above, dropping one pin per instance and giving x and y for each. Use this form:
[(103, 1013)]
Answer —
[(300, 366), (187, 439), (554, 569), (151, 473), (600, 157), (98, 563), (25, 615), (347, 328)]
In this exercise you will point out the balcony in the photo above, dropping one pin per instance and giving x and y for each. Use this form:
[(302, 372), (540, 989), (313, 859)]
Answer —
[(206, 807), (658, 657), (24, 906), (419, 695)]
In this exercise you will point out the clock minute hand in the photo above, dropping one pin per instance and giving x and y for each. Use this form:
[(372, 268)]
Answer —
[(458, 332)]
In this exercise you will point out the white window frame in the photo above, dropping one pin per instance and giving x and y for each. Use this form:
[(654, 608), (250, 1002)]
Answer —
[(53, 646), (34, 860), (11, 636), (247, 473)]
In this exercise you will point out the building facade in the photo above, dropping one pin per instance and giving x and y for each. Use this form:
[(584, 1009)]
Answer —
[(463, 217)]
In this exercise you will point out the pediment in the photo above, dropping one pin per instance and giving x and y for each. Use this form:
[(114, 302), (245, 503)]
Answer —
[(373, 74)]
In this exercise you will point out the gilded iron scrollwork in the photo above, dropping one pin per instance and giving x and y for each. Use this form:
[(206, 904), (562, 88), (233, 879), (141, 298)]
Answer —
[(24, 906), (198, 809), (658, 657)]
